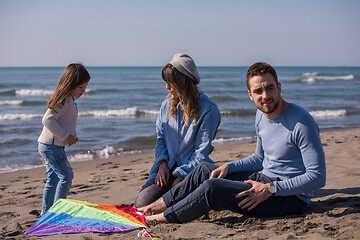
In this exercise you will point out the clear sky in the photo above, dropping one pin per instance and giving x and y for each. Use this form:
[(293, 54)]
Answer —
[(150, 32)]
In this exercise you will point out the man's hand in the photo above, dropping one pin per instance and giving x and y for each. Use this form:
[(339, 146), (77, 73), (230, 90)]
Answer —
[(70, 140), (258, 193), (220, 172), (176, 181), (162, 177)]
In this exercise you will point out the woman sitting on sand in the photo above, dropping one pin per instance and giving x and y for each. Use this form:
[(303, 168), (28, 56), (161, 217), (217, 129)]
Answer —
[(186, 125)]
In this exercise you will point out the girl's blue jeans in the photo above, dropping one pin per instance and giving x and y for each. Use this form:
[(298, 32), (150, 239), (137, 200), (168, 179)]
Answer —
[(59, 174)]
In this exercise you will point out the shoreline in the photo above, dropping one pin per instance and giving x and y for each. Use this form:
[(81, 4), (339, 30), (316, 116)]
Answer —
[(333, 214), (134, 152)]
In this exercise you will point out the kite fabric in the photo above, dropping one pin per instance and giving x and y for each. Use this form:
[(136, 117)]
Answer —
[(73, 216)]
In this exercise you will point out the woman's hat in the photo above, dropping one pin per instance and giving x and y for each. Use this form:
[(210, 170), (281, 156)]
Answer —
[(186, 65)]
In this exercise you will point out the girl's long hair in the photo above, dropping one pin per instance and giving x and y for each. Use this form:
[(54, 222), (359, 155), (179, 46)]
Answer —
[(188, 94), (74, 75)]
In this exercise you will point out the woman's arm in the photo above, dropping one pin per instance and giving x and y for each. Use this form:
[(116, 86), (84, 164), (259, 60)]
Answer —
[(206, 133)]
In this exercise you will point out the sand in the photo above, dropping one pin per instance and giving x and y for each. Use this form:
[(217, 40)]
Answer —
[(333, 214)]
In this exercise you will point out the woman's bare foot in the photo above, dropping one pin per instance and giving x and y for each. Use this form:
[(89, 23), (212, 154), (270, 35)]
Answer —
[(42, 213), (158, 218), (156, 207)]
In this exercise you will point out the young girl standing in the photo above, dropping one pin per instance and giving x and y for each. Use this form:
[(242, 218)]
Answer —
[(59, 131)]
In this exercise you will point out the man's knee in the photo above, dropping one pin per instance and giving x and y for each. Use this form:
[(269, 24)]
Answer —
[(206, 167), (213, 183)]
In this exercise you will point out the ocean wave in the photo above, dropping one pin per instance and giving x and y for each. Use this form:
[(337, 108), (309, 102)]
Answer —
[(121, 113), (128, 112), (235, 139), (106, 152), (310, 74), (33, 92), (347, 77), (8, 92), (94, 154), (19, 116), (222, 98), (328, 113), (313, 78), (13, 168), (91, 91), (11, 103), (308, 80), (237, 113)]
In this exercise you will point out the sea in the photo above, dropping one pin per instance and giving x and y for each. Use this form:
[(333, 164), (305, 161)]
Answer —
[(117, 113)]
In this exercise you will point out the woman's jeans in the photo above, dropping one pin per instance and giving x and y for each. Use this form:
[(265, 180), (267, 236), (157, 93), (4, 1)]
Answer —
[(59, 174), (197, 195)]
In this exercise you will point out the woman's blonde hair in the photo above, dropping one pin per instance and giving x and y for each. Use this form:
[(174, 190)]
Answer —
[(188, 94), (74, 75)]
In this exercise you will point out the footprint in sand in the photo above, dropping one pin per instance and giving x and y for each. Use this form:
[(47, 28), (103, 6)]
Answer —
[(34, 196), (13, 229), (9, 214), (30, 188), (35, 213)]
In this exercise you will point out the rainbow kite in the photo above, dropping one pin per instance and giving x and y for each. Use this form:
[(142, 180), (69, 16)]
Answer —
[(73, 216)]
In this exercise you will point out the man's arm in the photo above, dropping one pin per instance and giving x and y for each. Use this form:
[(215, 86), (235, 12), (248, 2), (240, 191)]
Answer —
[(306, 137), (250, 163)]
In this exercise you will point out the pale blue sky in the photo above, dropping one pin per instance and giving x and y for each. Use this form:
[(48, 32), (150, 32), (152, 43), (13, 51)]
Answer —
[(149, 33)]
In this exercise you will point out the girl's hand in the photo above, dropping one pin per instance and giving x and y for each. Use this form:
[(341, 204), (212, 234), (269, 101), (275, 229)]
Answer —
[(176, 181), (70, 140), (162, 178)]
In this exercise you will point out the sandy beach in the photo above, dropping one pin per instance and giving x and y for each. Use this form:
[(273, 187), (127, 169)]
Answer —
[(333, 214)]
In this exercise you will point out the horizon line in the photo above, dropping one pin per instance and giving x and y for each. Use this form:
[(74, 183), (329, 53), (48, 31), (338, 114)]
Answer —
[(113, 66)]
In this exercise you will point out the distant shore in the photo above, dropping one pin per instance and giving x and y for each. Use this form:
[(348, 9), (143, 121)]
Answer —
[(334, 212)]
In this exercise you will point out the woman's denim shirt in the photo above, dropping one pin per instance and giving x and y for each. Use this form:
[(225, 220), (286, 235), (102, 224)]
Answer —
[(185, 145)]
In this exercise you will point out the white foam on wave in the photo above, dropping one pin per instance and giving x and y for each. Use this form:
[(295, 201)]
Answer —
[(124, 113), (81, 157), (310, 74), (14, 168), (33, 92), (149, 112), (11, 103), (19, 116), (90, 155), (308, 80), (347, 77), (328, 113), (128, 112), (313, 78), (106, 152), (227, 140)]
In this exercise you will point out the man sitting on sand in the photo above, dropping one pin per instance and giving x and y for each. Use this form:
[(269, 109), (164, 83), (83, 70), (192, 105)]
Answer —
[(288, 152)]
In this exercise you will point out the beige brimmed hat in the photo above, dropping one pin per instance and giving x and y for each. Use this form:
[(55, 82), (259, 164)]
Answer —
[(186, 65)]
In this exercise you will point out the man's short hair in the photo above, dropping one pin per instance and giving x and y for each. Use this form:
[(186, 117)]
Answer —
[(260, 69)]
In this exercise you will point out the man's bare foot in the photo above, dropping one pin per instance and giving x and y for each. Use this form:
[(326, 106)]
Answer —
[(156, 207), (158, 218)]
